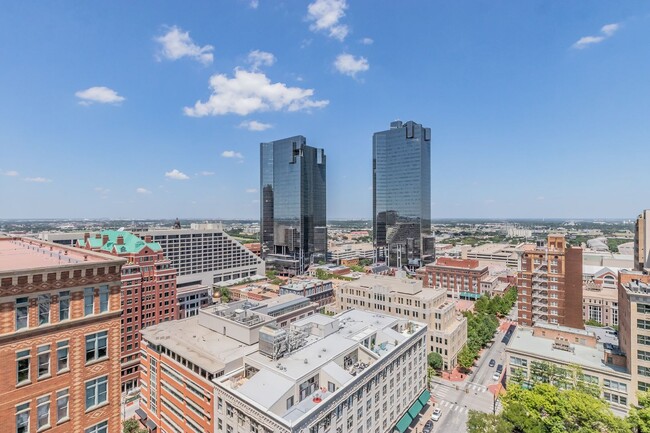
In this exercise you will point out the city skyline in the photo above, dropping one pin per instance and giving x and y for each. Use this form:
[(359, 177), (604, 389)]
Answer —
[(155, 113)]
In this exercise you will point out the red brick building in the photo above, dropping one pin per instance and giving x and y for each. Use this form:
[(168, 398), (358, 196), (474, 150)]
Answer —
[(460, 277), (59, 338), (550, 285), (148, 291)]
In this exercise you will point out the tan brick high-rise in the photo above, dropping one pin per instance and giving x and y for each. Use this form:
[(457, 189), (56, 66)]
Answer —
[(59, 338), (550, 284)]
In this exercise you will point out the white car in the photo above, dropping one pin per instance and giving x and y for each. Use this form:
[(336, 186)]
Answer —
[(496, 376), (437, 413)]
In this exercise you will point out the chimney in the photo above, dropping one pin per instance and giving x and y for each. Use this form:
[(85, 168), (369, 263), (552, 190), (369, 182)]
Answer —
[(120, 240), (148, 239), (86, 236), (104, 239)]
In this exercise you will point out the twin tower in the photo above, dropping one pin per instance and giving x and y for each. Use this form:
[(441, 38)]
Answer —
[(293, 188)]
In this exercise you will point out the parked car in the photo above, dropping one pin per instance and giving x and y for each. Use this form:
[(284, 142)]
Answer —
[(492, 362), (496, 376), (428, 427), (499, 368), (437, 413)]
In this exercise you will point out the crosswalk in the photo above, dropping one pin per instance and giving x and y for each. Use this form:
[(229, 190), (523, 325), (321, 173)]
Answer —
[(451, 407)]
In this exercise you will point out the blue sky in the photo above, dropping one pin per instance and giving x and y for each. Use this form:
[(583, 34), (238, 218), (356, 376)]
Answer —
[(145, 109)]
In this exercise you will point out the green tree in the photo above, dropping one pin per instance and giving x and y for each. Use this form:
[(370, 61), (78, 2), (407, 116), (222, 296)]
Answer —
[(435, 360), (132, 426), (466, 358), (639, 416), (322, 274), (545, 408), (479, 422), (225, 294)]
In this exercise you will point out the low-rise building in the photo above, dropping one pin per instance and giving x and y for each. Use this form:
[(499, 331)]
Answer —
[(600, 305), (59, 338), (351, 253), (447, 328), (190, 299), (531, 350), (319, 291), (504, 254), (461, 278), (358, 371)]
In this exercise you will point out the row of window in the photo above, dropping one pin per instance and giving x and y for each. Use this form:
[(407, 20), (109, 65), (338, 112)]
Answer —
[(96, 349), (96, 395)]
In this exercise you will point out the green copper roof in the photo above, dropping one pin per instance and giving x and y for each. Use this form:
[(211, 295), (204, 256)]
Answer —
[(132, 243)]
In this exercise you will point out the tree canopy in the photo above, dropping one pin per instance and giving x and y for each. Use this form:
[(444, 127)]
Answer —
[(435, 360)]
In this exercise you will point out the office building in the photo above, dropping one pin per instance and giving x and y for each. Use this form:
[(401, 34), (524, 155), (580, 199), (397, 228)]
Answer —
[(497, 254), (190, 299), (292, 205), (201, 254), (447, 328), (319, 291), (642, 241), (354, 372), (461, 278), (148, 290), (401, 195), (59, 338), (634, 326), (600, 305), (531, 350), (181, 359), (550, 284), (350, 254)]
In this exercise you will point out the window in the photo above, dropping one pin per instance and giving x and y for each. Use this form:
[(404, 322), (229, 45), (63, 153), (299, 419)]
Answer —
[(43, 412), (643, 308), (62, 401), (64, 305), (643, 324), (22, 312), (644, 387), (22, 418), (643, 371), (96, 392), (289, 402), (61, 356), (102, 427), (103, 299), (643, 339), (96, 346), (612, 384), (22, 366), (89, 301), (43, 361), (43, 309)]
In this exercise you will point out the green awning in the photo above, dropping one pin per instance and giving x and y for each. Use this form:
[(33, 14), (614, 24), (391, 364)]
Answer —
[(404, 423), (424, 397), (415, 409)]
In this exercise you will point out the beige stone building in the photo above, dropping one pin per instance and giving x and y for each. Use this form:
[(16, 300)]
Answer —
[(634, 328), (600, 304), (447, 328)]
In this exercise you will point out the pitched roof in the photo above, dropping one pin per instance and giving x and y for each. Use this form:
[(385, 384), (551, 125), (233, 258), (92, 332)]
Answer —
[(132, 243)]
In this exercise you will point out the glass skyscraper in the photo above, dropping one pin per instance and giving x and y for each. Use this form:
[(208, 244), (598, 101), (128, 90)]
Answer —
[(293, 226), (401, 202)]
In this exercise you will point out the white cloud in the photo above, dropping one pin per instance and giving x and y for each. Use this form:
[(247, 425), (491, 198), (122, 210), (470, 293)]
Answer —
[(176, 175), (248, 92), (38, 179), (607, 31), (325, 15), (176, 44), (231, 154), (367, 41), (100, 95), (259, 58), (254, 125), (207, 173), (251, 190), (11, 173), (347, 64), (142, 191), (254, 4)]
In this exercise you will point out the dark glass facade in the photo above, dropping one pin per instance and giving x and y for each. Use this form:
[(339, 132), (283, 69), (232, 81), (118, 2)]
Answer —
[(293, 204), (401, 204)]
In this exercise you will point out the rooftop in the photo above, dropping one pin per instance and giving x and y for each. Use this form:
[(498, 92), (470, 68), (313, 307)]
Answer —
[(23, 254), (523, 340), (129, 242), (338, 347), (202, 346)]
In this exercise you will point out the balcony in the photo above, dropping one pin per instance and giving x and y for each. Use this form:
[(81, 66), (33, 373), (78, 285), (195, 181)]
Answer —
[(540, 303), (540, 317), (540, 279), (540, 310)]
